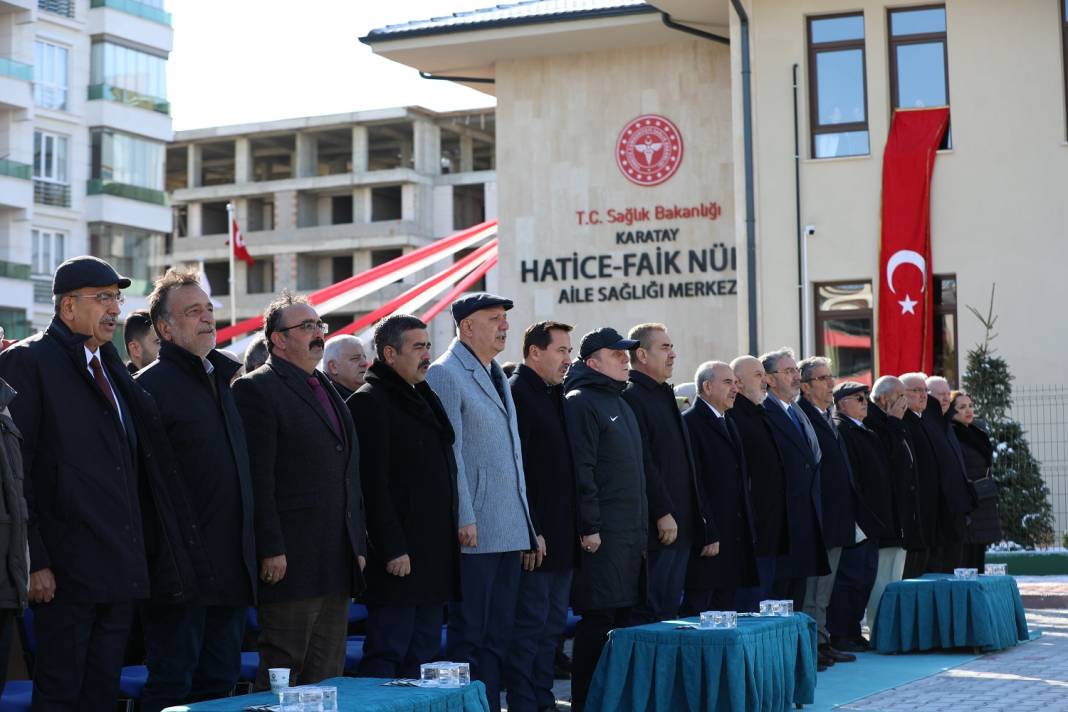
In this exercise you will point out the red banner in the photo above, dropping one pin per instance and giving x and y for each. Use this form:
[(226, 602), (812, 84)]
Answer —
[(906, 292)]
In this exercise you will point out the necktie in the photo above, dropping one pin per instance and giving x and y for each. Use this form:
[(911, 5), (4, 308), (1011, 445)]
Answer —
[(324, 402), (793, 417), (102, 382), (830, 422)]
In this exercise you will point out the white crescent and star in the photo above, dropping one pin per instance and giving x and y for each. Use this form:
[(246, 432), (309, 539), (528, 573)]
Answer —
[(906, 257)]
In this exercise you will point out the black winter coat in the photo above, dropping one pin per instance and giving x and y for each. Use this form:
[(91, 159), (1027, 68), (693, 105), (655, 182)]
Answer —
[(547, 465), (15, 575), (305, 483), (720, 463), (767, 477), (606, 446), (107, 512), (207, 440), (929, 494), (670, 480), (838, 496), (871, 473), (975, 445), (958, 497), (901, 466), (408, 473), (808, 551)]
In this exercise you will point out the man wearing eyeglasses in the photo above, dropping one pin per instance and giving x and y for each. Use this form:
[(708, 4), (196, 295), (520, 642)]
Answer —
[(309, 519), (93, 450)]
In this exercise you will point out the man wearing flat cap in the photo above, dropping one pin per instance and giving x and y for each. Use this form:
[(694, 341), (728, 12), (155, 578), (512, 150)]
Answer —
[(93, 451), (494, 522), (606, 448)]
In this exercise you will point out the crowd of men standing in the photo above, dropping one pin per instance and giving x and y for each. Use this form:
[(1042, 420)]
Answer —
[(414, 485)]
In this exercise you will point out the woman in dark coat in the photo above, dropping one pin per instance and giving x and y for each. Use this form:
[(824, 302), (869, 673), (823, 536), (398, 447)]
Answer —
[(984, 527)]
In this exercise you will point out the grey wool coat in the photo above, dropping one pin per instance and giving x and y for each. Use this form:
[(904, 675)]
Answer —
[(490, 484)]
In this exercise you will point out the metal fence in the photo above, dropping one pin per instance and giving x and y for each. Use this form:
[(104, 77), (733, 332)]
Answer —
[(1043, 413)]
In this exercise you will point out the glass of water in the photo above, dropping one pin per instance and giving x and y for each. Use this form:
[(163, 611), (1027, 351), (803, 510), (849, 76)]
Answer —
[(329, 699), (311, 699), (289, 700)]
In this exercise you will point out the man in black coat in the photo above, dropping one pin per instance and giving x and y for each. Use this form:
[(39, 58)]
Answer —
[(15, 575), (801, 457), (721, 568), (958, 494), (545, 583), (345, 363), (99, 488), (767, 477), (929, 489), (194, 648), (606, 446), (309, 518), (676, 523), (142, 341), (409, 484)]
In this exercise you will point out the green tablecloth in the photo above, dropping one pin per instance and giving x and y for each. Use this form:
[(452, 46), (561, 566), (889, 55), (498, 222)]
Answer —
[(763, 664), (939, 611), (368, 695)]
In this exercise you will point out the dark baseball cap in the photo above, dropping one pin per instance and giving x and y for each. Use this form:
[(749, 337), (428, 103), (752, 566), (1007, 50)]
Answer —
[(604, 338), (466, 306), (85, 271), (848, 388)]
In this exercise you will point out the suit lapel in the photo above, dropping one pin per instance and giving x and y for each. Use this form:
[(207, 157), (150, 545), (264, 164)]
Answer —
[(479, 373), (303, 391), (783, 422)]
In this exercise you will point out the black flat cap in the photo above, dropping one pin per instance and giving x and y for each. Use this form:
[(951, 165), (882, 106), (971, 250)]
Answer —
[(466, 306), (86, 271), (848, 388), (604, 338)]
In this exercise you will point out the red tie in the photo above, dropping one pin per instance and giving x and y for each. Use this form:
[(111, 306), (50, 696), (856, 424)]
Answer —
[(102, 382)]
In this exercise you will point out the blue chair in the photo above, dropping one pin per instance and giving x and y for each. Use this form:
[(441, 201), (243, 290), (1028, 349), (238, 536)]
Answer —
[(357, 612), (17, 696), (252, 620), (572, 621), (353, 653)]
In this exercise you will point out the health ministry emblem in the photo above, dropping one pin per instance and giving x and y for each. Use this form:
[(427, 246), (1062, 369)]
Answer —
[(649, 150)]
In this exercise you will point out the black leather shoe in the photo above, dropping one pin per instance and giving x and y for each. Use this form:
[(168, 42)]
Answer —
[(823, 661), (847, 646), (836, 655), (862, 643)]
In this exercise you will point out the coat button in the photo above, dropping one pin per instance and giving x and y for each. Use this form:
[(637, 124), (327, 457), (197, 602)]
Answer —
[(339, 448)]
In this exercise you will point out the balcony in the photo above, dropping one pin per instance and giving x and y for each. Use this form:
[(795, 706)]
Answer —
[(49, 193), (129, 205), (16, 84), (63, 8), (129, 98), (135, 21), (16, 190), (128, 112), (137, 9), (124, 190)]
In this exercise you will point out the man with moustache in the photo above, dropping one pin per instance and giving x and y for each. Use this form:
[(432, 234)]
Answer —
[(194, 647), (767, 478), (714, 577), (545, 583), (676, 523), (409, 484), (494, 524), (801, 457), (309, 516), (606, 447), (920, 561), (93, 453), (345, 363), (142, 341)]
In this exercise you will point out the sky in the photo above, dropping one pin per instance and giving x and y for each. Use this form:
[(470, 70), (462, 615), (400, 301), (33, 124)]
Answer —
[(244, 61)]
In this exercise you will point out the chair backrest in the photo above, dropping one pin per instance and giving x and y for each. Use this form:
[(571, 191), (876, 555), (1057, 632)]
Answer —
[(252, 621), (27, 638)]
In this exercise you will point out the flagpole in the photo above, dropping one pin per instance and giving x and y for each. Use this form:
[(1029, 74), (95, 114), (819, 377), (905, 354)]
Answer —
[(233, 249)]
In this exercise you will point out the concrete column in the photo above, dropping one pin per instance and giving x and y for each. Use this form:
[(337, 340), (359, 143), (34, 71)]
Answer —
[(194, 220), (467, 153), (193, 164), (361, 205), (307, 155), (285, 210), (427, 147), (242, 160), (360, 148)]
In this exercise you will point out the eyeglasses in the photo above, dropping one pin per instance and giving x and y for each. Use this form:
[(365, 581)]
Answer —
[(105, 299), (821, 379), (308, 325), (787, 371), (859, 398)]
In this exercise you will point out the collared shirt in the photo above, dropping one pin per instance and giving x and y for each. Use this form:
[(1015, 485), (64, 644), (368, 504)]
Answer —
[(89, 356), (713, 408), (858, 422)]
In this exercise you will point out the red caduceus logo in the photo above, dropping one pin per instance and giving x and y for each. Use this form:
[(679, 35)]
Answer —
[(649, 150)]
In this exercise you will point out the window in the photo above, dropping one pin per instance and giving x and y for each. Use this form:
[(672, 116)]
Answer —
[(50, 74), (946, 352), (386, 203), (130, 251), (49, 250), (129, 75), (261, 277), (919, 66), (58, 7), (50, 182), (126, 159), (218, 275), (838, 97), (844, 328)]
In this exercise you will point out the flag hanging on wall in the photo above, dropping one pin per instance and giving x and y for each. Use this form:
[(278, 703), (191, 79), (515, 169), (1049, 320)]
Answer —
[(906, 293)]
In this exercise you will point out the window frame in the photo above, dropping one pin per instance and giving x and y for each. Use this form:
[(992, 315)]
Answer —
[(813, 50), (820, 317), (41, 77), (941, 310), (55, 238), (893, 42), (56, 139)]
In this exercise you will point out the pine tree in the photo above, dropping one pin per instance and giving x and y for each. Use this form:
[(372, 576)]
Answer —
[(1023, 498)]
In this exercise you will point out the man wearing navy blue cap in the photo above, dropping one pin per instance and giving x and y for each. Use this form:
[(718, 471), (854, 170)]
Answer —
[(93, 449), (494, 522)]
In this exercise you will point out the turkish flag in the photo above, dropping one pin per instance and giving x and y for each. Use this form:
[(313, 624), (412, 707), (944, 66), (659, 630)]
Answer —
[(906, 292), (238, 242)]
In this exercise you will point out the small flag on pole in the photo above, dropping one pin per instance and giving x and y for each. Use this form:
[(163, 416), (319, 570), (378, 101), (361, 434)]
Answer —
[(238, 242)]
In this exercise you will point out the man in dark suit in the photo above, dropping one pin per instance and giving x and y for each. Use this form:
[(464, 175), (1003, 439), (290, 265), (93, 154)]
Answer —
[(409, 484), (675, 520), (929, 490), (720, 568), (767, 477), (310, 533), (801, 458), (194, 648), (958, 494), (98, 483), (545, 582), (142, 341)]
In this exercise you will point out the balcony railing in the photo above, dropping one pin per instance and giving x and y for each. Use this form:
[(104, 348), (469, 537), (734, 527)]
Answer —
[(48, 193), (14, 169), (14, 270), (57, 7), (42, 290), (125, 190), (128, 97), (16, 70), (139, 9)]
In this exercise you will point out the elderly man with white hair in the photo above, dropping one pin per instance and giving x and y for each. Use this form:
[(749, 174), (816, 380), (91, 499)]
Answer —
[(345, 362)]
